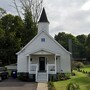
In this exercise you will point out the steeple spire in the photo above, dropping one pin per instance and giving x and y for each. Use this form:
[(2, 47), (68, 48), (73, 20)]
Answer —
[(43, 17), (43, 24)]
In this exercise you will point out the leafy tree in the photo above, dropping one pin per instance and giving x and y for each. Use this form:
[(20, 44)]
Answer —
[(7, 22), (63, 38), (2, 12), (88, 47), (10, 42), (14, 34), (82, 38), (30, 28)]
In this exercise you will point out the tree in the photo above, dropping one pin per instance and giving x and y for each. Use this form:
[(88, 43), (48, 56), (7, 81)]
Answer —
[(63, 38), (7, 22), (88, 47), (10, 42), (82, 50), (2, 12), (82, 38), (30, 28), (32, 6), (31, 11)]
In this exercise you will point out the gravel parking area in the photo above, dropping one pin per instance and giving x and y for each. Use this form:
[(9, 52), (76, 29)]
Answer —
[(15, 84)]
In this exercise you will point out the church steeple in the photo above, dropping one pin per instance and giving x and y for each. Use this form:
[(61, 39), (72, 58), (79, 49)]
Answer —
[(43, 23), (43, 17)]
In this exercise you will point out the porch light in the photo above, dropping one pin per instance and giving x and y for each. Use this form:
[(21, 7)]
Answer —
[(30, 59), (61, 71), (56, 58), (46, 60)]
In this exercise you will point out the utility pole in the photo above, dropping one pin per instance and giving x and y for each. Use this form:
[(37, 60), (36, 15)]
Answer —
[(70, 50), (70, 45)]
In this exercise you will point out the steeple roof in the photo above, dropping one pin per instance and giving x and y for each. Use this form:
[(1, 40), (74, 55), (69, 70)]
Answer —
[(43, 17)]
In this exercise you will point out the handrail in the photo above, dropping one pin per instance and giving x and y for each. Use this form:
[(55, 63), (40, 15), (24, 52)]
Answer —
[(51, 64), (33, 64), (47, 72), (36, 72), (51, 69)]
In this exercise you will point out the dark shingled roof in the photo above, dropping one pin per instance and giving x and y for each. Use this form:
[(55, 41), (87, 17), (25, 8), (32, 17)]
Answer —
[(43, 17)]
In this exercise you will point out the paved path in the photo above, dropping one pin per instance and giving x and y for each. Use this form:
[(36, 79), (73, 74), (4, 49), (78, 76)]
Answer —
[(42, 86), (14, 84)]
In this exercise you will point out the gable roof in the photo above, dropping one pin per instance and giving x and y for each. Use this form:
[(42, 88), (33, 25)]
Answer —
[(44, 51), (49, 37), (43, 17)]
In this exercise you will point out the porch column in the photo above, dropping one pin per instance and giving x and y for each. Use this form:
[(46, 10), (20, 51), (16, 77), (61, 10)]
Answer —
[(29, 63), (55, 65)]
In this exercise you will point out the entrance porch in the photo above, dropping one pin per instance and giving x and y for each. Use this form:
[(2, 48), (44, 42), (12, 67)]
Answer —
[(42, 65)]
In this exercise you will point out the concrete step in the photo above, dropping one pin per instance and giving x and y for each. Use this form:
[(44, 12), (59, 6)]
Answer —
[(42, 77)]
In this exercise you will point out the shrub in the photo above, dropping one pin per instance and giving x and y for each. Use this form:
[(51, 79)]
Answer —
[(67, 75), (23, 76), (78, 69), (73, 86), (51, 86), (83, 71), (63, 76), (52, 78), (78, 65), (58, 77), (88, 73), (73, 74)]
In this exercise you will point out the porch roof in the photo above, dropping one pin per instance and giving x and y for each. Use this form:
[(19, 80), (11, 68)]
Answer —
[(42, 52)]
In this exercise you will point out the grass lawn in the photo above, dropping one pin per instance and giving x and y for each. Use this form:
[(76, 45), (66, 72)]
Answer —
[(81, 79), (86, 68)]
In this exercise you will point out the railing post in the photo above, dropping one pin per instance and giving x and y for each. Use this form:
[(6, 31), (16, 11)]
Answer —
[(55, 65), (36, 71), (29, 64), (47, 72)]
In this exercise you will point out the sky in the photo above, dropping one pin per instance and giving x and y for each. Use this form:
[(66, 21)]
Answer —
[(70, 16)]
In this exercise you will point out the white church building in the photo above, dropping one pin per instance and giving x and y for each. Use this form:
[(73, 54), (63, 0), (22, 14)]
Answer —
[(43, 56)]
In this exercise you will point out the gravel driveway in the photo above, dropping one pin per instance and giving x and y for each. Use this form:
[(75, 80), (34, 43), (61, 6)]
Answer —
[(14, 84)]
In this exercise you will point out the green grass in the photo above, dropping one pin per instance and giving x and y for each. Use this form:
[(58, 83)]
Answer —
[(83, 80), (86, 68)]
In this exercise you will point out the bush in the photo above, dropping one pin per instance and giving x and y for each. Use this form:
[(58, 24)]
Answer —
[(88, 73), (51, 86), (83, 71), (58, 77), (78, 69), (63, 76), (73, 74), (67, 75), (73, 86), (52, 78), (77, 65), (23, 76)]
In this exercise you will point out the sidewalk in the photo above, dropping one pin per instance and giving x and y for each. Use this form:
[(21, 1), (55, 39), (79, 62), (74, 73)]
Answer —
[(42, 86)]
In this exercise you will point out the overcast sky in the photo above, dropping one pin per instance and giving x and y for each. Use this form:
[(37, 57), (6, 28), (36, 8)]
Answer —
[(71, 16)]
